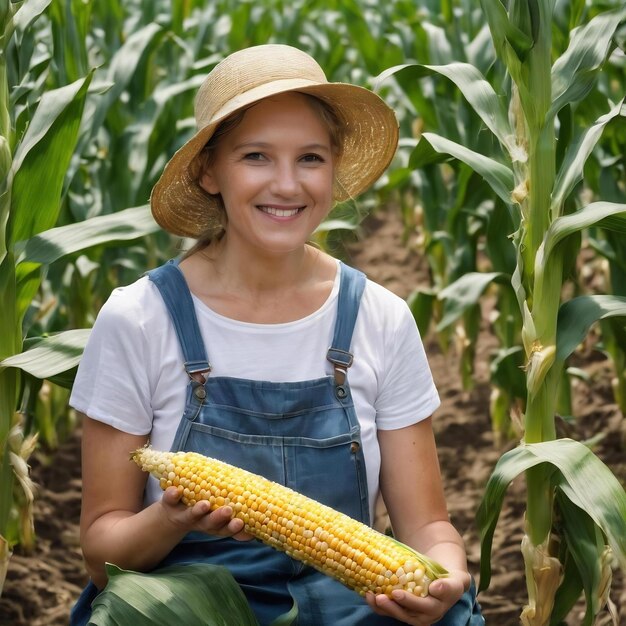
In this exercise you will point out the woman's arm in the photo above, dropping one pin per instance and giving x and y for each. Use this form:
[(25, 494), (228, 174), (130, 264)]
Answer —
[(413, 492), (114, 526), (411, 487)]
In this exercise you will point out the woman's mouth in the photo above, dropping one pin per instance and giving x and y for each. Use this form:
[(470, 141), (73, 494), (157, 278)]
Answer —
[(280, 212)]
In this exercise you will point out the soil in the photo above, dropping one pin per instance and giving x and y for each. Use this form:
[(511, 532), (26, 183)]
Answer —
[(41, 586)]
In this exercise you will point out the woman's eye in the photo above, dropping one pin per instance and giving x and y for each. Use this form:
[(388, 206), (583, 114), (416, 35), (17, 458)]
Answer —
[(312, 158), (254, 156)]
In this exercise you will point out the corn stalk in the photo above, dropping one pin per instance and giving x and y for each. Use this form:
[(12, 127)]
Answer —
[(575, 506), (460, 225), (33, 171)]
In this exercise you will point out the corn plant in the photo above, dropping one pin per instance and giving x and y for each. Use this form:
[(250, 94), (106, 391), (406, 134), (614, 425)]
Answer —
[(459, 220), (464, 223), (575, 507), (606, 178), (34, 166)]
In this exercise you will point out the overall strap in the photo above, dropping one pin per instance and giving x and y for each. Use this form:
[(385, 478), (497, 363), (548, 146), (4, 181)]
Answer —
[(172, 285), (350, 291)]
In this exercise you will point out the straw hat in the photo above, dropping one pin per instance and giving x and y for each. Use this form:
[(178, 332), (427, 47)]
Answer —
[(182, 207)]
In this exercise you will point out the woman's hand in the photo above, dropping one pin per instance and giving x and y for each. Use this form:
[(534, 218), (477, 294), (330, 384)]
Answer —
[(417, 611), (199, 517)]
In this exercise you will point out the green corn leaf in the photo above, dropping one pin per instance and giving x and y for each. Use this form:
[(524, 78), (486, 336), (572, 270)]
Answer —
[(523, 14), (480, 51), (28, 281), (64, 379), (567, 594), (432, 148), (337, 224), (476, 90), (421, 304), (51, 355), (578, 314), (56, 243), (195, 593), (151, 134), (422, 104), (506, 371), (582, 476), (286, 619), (42, 158), (571, 171), (503, 31), (24, 17), (123, 66), (575, 71), (464, 293), (69, 22), (567, 225), (439, 48), (584, 546), (615, 223)]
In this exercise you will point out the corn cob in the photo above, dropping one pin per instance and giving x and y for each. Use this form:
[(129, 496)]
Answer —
[(356, 555)]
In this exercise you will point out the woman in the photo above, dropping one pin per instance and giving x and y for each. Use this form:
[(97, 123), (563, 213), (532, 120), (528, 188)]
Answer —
[(276, 146)]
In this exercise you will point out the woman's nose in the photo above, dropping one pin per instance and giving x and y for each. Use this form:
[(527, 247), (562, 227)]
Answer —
[(286, 181)]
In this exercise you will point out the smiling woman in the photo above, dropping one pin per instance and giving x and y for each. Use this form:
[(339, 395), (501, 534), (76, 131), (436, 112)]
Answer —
[(317, 378)]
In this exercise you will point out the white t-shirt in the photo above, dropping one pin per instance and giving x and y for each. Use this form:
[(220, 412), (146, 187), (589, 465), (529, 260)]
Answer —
[(131, 375)]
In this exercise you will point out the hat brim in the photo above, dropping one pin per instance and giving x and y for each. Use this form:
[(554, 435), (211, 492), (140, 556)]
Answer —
[(181, 207)]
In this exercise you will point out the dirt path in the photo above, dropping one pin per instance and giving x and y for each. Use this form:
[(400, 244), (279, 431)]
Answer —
[(42, 586)]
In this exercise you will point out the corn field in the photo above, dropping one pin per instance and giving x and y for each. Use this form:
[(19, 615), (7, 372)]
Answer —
[(509, 185)]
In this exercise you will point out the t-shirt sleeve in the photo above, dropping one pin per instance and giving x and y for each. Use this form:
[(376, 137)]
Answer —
[(407, 391), (112, 382)]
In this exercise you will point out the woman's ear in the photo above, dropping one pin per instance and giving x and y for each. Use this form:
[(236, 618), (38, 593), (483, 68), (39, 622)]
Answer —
[(208, 183)]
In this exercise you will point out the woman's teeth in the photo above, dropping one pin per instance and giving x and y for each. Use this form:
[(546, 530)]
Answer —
[(279, 212)]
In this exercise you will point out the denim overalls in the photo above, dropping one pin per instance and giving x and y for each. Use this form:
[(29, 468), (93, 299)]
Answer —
[(304, 435)]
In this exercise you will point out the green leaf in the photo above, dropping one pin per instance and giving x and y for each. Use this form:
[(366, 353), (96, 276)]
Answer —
[(582, 476), (64, 379), (464, 293), (476, 90), (571, 171), (585, 546), (287, 618), (567, 594), (575, 71), (421, 304), (123, 65), (196, 593), (432, 148), (414, 91), (578, 314), (42, 158), (150, 134), (52, 355), (567, 225), (506, 371), (503, 31), (337, 224), (615, 223), (26, 14), (56, 243)]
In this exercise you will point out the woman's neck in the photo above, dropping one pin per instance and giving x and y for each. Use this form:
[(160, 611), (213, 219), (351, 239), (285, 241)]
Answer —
[(260, 288)]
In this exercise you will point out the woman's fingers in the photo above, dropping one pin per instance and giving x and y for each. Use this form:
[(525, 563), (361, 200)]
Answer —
[(199, 517), (408, 608)]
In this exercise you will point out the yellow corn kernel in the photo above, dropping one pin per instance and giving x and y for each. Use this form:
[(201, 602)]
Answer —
[(351, 552)]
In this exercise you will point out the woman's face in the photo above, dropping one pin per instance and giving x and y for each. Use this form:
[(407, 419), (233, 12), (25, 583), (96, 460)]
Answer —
[(274, 171)]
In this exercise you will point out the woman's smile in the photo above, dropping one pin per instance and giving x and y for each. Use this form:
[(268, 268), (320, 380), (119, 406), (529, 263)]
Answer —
[(280, 211)]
